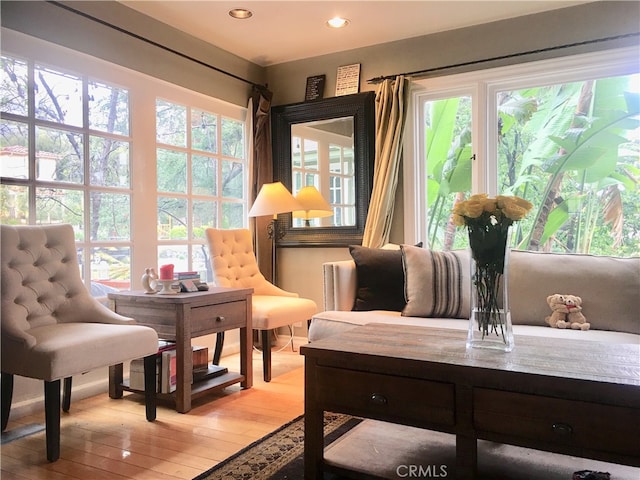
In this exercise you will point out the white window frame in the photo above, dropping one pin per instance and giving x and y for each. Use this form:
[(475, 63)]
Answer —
[(482, 86), (143, 91)]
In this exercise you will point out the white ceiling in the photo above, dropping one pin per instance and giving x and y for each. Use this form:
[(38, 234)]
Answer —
[(282, 31)]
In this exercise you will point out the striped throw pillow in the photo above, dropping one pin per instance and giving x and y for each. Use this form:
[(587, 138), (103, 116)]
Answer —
[(436, 283)]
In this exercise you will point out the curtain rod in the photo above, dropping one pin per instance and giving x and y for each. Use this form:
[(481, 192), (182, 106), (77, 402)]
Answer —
[(502, 57), (155, 44)]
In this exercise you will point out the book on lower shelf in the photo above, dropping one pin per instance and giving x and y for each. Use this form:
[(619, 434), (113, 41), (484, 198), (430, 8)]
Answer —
[(166, 367), (212, 371), (169, 379), (200, 358)]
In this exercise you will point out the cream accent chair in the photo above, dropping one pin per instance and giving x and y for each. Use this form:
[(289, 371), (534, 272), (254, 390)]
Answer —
[(234, 265), (52, 328)]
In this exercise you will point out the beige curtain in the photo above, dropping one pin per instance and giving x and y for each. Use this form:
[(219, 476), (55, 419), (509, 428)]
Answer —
[(391, 105)]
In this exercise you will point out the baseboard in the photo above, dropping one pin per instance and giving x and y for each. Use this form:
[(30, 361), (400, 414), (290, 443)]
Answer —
[(35, 405)]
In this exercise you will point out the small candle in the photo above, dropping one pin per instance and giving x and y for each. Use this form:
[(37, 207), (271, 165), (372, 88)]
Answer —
[(166, 272)]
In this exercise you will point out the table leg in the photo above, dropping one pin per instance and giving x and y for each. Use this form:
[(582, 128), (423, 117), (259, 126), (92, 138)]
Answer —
[(313, 430), (466, 457), (246, 359), (184, 361)]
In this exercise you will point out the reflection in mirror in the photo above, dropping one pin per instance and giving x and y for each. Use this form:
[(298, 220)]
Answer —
[(322, 157), (328, 144), (313, 205)]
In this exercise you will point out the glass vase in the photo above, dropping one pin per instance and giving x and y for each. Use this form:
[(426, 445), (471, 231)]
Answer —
[(490, 323)]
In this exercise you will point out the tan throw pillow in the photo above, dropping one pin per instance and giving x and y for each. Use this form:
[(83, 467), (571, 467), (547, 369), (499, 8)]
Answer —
[(436, 283)]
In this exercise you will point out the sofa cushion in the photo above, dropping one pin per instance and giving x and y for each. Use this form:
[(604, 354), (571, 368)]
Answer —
[(608, 287), (436, 283), (380, 278)]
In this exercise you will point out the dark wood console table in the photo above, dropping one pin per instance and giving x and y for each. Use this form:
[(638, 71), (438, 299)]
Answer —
[(180, 318), (574, 397)]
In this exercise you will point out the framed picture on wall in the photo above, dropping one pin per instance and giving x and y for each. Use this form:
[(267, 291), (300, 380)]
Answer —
[(315, 88), (348, 80)]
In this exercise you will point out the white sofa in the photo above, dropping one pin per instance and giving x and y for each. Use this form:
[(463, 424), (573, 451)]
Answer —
[(608, 286)]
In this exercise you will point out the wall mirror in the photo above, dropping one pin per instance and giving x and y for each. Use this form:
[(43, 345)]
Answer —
[(328, 144)]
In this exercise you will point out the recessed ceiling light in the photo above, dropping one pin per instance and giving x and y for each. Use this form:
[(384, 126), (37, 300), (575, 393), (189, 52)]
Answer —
[(337, 22), (241, 13)]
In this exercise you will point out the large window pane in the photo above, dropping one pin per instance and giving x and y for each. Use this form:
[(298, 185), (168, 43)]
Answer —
[(178, 255), (171, 171), (58, 96), (110, 217), (108, 108), (232, 180), (172, 218), (232, 215), (201, 263), (204, 216), (233, 138), (80, 123), (59, 156), (204, 175), (171, 124), (204, 131), (109, 164), (14, 86), (57, 205), (571, 149), (447, 127), (14, 153), (14, 204), (204, 181), (110, 268)]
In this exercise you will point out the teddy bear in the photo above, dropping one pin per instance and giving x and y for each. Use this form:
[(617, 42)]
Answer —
[(575, 318), (558, 318)]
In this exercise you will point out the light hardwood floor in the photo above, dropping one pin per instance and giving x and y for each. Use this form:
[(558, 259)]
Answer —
[(110, 439)]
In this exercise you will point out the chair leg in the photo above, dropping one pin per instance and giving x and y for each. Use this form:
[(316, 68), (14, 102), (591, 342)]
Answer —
[(7, 396), (52, 419), (66, 394), (150, 385), (266, 355)]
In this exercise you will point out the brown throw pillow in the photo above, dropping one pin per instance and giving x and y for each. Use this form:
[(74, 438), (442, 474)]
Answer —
[(436, 283), (380, 278)]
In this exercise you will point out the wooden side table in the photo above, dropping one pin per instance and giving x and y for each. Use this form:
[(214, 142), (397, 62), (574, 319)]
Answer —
[(180, 318)]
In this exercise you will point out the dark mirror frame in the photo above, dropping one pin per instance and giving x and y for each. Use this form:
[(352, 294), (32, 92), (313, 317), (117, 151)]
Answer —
[(361, 106)]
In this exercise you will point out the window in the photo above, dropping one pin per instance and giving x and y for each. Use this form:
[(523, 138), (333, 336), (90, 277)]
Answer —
[(564, 134), (66, 160), (139, 167), (199, 184)]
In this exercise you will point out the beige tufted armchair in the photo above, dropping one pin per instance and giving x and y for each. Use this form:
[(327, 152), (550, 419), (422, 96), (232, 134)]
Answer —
[(234, 265), (52, 328)]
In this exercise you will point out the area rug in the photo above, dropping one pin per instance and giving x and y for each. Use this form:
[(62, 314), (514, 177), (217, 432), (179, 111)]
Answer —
[(279, 455), (381, 450)]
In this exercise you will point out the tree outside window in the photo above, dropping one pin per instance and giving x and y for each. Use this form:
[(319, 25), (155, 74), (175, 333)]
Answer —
[(572, 149)]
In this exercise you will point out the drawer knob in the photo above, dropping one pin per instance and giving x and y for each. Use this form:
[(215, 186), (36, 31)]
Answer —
[(219, 318), (378, 399), (562, 428)]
